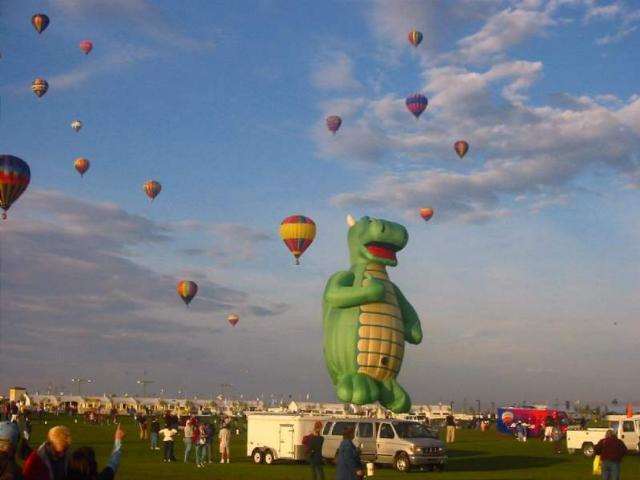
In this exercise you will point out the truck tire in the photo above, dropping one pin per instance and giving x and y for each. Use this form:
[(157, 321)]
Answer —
[(588, 449), (402, 463), (257, 456), (268, 457)]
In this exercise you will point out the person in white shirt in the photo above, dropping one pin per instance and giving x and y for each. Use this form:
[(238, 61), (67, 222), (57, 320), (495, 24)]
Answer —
[(167, 440), (225, 439)]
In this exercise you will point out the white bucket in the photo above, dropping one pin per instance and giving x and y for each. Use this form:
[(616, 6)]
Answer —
[(371, 469)]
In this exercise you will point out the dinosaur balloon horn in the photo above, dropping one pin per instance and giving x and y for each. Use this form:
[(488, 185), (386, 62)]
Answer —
[(350, 220)]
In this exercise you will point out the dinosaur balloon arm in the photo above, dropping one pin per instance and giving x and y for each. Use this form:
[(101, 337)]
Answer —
[(412, 328), (341, 293)]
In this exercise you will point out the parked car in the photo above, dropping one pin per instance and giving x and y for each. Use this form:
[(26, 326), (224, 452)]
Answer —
[(627, 430)]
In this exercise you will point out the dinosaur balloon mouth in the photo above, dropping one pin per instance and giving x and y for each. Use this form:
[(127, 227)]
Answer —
[(382, 250)]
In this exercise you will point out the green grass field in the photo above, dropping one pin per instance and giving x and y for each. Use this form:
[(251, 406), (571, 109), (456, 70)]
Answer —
[(475, 455)]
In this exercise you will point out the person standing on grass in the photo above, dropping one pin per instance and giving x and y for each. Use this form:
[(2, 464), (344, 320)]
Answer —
[(225, 439), (155, 428), (168, 432), (201, 446), (450, 422), (314, 451), (189, 430), (548, 429), (556, 437), (348, 466), (209, 432), (611, 450)]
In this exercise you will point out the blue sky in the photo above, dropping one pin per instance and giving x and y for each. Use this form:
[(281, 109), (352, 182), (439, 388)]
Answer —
[(531, 258)]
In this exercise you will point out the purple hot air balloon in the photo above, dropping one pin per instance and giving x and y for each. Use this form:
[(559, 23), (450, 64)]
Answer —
[(333, 123), (416, 103)]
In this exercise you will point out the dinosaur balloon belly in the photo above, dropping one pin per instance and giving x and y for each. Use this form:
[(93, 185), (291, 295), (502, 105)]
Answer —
[(380, 332)]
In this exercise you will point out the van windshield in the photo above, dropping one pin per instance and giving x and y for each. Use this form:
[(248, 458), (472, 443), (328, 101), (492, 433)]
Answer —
[(413, 430)]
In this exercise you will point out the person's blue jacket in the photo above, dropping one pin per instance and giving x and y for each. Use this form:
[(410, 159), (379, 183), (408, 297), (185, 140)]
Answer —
[(348, 461)]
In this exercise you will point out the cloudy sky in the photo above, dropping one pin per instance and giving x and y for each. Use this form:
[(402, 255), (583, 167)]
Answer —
[(526, 279)]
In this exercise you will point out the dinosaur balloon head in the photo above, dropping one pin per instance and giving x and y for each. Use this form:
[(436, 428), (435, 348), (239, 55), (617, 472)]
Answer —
[(373, 240)]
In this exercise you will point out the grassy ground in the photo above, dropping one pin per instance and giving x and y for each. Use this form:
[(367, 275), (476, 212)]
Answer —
[(475, 455)]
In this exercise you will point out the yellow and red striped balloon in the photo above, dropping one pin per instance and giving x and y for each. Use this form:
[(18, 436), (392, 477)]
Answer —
[(297, 233), (187, 290)]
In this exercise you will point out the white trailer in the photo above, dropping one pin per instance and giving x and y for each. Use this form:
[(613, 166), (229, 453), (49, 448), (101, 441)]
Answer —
[(273, 437)]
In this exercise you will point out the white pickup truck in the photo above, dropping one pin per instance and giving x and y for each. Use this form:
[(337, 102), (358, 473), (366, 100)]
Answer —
[(627, 430)]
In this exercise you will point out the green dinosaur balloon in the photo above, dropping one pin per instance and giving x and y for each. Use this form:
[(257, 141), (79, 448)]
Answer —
[(367, 319)]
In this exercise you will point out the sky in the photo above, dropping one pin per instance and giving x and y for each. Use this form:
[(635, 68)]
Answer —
[(526, 279)]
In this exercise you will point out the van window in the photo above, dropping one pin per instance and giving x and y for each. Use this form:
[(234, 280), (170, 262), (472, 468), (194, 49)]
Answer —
[(386, 431), (627, 427), (327, 428), (340, 427), (365, 430)]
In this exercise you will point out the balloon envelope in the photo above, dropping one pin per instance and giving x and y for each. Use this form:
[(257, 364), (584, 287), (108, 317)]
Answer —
[(426, 213), (415, 37), (461, 147), (82, 165), (416, 104), (333, 123), (40, 22), (187, 290), (76, 125), (152, 189), (86, 46), (15, 176), (297, 233), (233, 319), (39, 87)]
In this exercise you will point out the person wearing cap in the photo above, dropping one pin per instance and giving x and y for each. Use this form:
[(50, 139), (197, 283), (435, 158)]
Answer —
[(50, 461), (349, 466), (314, 450), (9, 436)]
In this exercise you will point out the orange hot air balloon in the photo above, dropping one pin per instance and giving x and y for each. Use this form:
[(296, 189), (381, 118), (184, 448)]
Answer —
[(461, 147), (187, 290), (426, 213), (86, 46), (233, 319), (39, 86), (82, 165), (297, 233), (40, 22), (152, 189)]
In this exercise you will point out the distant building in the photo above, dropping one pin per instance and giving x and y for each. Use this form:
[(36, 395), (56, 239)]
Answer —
[(17, 394)]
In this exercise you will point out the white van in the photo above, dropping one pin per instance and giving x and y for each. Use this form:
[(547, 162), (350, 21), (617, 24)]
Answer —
[(400, 443)]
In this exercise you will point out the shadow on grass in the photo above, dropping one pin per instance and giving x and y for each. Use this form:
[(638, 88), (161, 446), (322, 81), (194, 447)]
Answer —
[(465, 453), (496, 463)]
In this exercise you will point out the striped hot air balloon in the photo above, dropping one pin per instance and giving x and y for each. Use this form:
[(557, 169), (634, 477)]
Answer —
[(297, 233), (40, 22), (415, 37), (233, 319), (416, 103), (81, 164), (187, 290), (86, 46), (426, 213), (461, 147), (39, 87), (15, 176), (333, 123), (152, 189)]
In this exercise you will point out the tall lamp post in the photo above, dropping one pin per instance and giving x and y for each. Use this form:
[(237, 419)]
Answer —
[(144, 382), (79, 381)]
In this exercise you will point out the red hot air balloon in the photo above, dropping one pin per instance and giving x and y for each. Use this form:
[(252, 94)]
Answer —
[(333, 123), (152, 189), (187, 290), (86, 46), (416, 104), (82, 165), (39, 87), (426, 213), (461, 147), (40, 22), (415, 37), (233, 319), (15, 176)]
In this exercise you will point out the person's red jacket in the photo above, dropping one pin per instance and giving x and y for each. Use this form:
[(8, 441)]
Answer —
[(37, 466), (612, 449)]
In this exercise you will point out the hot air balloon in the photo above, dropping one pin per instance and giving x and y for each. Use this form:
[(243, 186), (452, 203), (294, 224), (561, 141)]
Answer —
[(416, 104), (152, 189), (82, 165), (333, 123), (76, 125), (14, 179), (233, 319), (297, 233), (187, 290), (40, 22), (86, 46), (426, 213), (461, 147), (39, 87), (415, 37)]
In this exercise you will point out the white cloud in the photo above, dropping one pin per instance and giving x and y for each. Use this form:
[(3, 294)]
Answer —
[(620, 35), (335, 72)]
